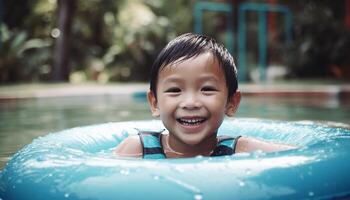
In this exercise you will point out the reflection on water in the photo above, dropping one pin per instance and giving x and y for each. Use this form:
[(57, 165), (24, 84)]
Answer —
[(23, 120)]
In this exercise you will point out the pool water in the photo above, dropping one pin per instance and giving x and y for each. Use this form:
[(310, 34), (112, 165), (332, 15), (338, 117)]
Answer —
[(23, 120)]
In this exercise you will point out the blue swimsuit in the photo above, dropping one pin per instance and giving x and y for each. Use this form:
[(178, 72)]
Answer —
[(153, 149)]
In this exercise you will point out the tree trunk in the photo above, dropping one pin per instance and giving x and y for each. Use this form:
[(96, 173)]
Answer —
[(61, 68), (347, 14)]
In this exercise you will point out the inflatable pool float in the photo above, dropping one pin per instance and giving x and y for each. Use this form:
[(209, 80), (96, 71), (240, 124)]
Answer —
[(78, 164)]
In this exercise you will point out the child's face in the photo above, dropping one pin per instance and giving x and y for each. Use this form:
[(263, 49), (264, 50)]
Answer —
[(192, 99)]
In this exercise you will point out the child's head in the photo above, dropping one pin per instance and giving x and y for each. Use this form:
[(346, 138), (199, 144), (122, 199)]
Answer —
[(188, 46), (193, 87)]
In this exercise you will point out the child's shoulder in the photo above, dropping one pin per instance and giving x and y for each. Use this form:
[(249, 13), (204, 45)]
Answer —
[(130, 147)]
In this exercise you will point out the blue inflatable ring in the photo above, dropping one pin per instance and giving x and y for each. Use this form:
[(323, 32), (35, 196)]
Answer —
[(78, 164)]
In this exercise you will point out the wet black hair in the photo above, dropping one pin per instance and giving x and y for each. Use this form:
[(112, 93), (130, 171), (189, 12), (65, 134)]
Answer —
[(188, 46)]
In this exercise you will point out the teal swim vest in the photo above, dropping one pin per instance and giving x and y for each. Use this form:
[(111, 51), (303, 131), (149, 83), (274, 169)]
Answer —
[(153, 149)]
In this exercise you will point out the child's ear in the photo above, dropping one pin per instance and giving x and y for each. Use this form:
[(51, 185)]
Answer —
[(232, 104), (152, 101)]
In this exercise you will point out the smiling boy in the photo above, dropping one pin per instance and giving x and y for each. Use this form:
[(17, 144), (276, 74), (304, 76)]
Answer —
[(193, 86)]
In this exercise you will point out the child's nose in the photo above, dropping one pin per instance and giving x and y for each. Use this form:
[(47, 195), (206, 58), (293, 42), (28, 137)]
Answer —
[(190, 101)]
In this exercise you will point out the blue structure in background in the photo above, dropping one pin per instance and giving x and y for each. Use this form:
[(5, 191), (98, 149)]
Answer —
[(262, 10), (200, 7)]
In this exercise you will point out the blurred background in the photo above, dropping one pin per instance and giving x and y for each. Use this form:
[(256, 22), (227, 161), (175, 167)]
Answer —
[(117, 41), (68, 63)]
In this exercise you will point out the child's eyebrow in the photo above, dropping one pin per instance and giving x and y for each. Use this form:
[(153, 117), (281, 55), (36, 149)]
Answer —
[(171, 79), (203, 78)]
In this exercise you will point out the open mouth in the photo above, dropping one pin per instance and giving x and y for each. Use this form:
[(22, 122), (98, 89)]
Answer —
[(191, 121)]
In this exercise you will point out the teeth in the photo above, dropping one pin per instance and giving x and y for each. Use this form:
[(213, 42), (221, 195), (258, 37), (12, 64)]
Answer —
[(191, 121)]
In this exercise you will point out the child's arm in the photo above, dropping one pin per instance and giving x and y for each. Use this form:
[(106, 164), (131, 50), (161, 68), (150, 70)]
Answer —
[(247, 145), (130, 147)]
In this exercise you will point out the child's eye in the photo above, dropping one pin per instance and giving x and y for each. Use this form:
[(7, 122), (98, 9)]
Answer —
[(209, 89), (173, 90)]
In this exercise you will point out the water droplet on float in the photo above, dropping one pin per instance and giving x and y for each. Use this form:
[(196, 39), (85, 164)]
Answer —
[(258, 155), (198, 197), (125, 172), (66, 195), (179, 169), (40, 159), (241, 183)]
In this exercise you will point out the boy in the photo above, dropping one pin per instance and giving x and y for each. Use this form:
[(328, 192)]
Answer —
[(193, 86)]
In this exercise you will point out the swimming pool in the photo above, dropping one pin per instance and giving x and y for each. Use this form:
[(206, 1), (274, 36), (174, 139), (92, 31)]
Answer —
[(23, 120)]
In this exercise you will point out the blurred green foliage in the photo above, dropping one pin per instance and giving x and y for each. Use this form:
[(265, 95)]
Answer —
[(322, 42), (26, 49), (118, 40)]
